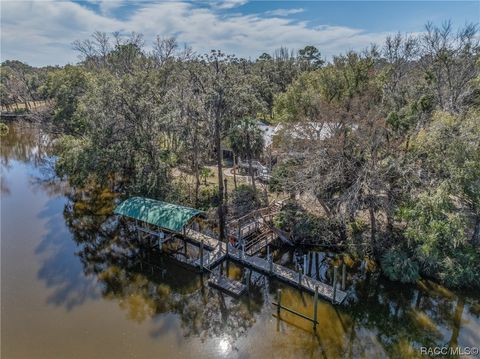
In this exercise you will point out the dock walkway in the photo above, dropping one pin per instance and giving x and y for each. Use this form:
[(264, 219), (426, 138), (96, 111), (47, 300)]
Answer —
[(287, 275), (228, 285)]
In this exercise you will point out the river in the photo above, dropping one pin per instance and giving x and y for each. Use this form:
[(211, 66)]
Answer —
[(69, 291)]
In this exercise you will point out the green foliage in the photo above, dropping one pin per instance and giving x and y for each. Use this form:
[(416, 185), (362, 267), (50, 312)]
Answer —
[(281, 176), (20, 82), (305, 227), (409, 116), (311, 57), (436, 231), (450, 149), (244, 199), (208, 198), (461, 268), (334, 85), (246, 139), (399, 266), (66, 87), (205, 173), (73, 159)]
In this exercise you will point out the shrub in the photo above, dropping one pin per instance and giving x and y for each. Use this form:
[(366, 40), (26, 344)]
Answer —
[(244, 200), (208, 198), (398, 266)]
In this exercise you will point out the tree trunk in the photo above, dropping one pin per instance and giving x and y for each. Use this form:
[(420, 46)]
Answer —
[(234, 170), (221, 215), (372, 225), (197, 185), (252, 175), (195, 165)]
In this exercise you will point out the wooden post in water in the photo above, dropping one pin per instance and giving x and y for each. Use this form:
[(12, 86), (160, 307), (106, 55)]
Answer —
[(305, 264), (310, 260), (344, 276), (243, 249), (201, 255), (315, 308), (270, 263), (335, 270), (317, 267), (279, 301), (299, 277)]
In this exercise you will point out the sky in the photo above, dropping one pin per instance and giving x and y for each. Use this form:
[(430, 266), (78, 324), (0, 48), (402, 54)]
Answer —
[(41, 32)]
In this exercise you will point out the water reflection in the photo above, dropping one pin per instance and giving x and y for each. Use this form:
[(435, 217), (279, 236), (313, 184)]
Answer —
[(71, 287), (87, 257)]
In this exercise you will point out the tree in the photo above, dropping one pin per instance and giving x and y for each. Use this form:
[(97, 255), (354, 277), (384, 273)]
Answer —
[(450, 62), (247, 141), (449, 151), (310, 58), (66, 87)]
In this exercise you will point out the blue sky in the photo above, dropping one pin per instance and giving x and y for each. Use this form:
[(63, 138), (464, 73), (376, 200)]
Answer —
[(41, 32)]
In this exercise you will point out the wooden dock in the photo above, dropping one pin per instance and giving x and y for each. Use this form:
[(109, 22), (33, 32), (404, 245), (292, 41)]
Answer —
[(228, 285), (287, 275), (212, 252)]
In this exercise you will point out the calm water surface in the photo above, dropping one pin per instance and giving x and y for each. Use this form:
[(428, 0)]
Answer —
[(71, 288)]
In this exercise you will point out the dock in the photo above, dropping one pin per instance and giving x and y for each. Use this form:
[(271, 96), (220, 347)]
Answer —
[(268, 267), (228, 285), (251, 234), (287, 275)]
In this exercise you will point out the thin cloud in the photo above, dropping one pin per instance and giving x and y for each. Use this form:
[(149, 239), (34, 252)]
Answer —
[(228, 4), (284, 12)]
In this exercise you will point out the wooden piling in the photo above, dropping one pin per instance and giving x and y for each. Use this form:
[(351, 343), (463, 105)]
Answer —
[(317, 266), (315, 308), (299, 277), (201, 254), (335, 270), (344, 276), (310, 260), (305, 264), (279, 301), (270, 263)]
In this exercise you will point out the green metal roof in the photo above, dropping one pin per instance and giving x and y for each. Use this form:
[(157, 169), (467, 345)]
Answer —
[(166, 215)]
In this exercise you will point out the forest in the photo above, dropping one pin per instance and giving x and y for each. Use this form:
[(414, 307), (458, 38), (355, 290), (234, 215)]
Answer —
[(377, 152)]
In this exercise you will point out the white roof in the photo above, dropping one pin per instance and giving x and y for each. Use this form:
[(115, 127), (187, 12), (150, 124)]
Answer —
[(307, 130)]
